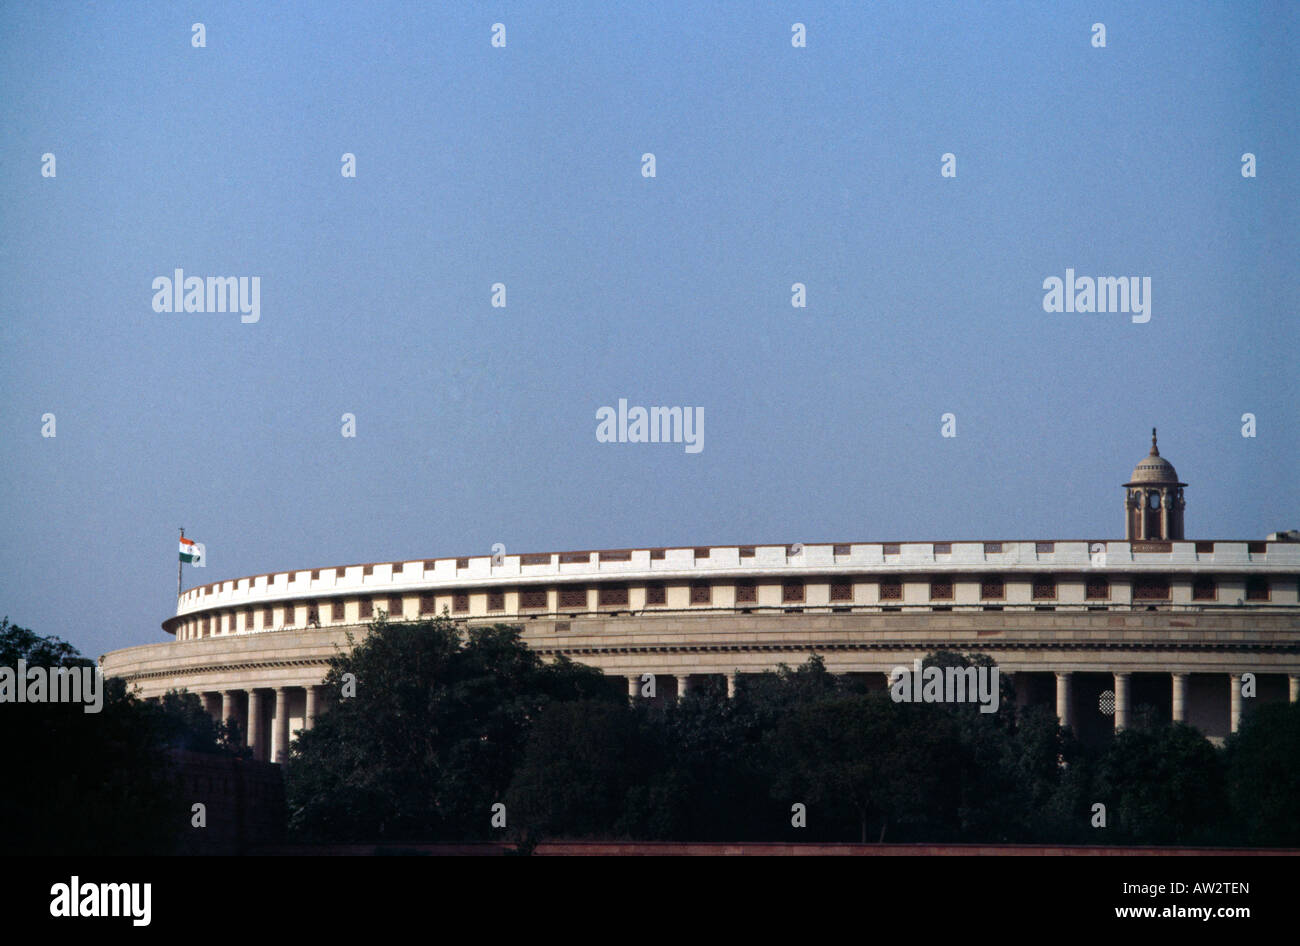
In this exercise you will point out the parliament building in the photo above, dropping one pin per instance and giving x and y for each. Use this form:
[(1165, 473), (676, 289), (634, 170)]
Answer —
[(1199, 631)]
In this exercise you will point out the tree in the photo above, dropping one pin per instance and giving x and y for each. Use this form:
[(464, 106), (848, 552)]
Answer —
[(431, 740), (1163, 785), (19, 643), (1050, 775), (1263, 763), (92, 783), (179, 721), (581, 759), (774, 693)]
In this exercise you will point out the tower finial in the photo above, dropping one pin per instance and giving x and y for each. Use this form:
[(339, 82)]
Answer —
[(1154, 452)]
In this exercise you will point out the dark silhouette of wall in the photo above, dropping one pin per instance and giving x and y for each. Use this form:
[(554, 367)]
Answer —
[(244, 802)]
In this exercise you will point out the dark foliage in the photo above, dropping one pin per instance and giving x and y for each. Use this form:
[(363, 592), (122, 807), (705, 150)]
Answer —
[(431, 738), (99, 782)]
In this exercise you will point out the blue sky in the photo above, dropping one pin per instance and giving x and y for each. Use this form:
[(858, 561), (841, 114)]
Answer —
[(522, 165)]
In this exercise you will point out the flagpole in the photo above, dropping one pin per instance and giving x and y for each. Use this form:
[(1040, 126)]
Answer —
[(179, 563)]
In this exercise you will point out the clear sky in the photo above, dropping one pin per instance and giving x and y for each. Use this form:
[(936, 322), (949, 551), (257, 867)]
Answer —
[(522, 165)]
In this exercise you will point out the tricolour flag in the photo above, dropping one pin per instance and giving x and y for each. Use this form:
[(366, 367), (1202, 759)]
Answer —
[(194, 553)]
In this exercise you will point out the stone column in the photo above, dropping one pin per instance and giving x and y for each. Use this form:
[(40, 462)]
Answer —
[(1234, 716), (1142, 514), (683, 685), (1180, 697), (312, 707), (254, 734), (1164, 514), (281, 741), (732, 677), (1063, 695), (1293, 687), (633, 686), (227, 705), (1121, 701)]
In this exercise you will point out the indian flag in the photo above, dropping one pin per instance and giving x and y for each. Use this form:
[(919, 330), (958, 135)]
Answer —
[(194, 553)]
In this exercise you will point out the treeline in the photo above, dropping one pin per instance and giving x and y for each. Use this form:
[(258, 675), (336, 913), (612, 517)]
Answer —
[(445, 726), (95, 783)]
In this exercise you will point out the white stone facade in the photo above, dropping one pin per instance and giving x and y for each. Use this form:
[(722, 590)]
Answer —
[(1192, 612)]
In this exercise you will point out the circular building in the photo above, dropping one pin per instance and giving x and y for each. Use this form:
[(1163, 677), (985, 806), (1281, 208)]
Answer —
[(1093, 627)]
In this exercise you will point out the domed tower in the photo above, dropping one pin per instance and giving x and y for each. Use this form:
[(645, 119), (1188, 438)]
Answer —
[(1153, 502)]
